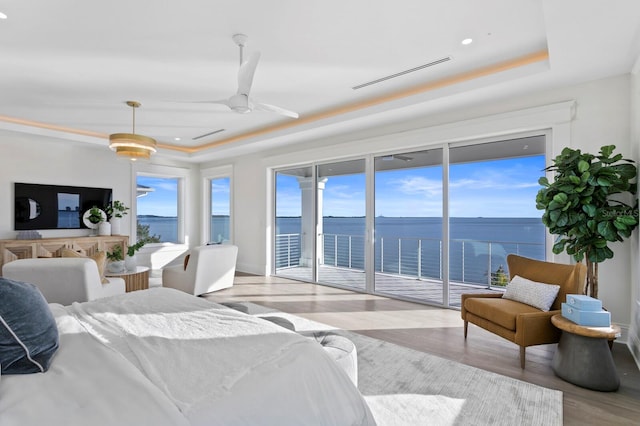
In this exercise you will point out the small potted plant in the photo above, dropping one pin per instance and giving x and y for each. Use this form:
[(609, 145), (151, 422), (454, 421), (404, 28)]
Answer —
[(115, 211), (116, 259), (96, 218), (130, 260), (95, 215)]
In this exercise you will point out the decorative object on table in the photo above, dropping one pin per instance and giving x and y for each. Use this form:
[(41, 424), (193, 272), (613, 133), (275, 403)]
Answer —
[(115, 211), (130, 260), (116, 259), (28, 235), (585, 311), (585, 206), (104, 229), (92, 219)]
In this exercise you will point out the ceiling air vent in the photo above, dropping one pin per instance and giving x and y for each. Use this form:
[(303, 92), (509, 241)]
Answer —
[(398, 74), (208, 134)]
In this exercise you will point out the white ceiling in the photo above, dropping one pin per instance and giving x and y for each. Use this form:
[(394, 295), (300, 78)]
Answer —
[(68, 66)]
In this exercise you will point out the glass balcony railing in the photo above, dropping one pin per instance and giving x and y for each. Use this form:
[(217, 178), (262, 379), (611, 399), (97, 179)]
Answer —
[(481, 263)]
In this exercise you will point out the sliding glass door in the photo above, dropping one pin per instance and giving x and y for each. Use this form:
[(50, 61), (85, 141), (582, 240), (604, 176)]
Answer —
[(341, 226), (440, 221), (294, 248), (408, 225), (492, 193)]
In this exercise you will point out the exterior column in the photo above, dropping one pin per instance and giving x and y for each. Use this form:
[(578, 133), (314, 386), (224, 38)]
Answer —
[(308, 222)]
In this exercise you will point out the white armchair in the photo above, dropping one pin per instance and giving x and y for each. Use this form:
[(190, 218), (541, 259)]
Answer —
[(64, 280), (209, 268)]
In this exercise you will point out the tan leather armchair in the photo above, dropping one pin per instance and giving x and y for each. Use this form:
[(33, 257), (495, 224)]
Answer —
[(517, 322)]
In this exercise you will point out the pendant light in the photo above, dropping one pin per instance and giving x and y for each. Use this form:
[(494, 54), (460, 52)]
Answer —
[(130, 145)]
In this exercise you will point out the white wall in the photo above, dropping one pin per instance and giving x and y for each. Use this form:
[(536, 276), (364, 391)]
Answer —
[(42, 160), (601, 118), (634, 331)]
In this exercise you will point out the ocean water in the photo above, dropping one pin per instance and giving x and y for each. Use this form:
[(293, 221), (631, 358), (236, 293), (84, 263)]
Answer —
[(404, 245), (413, 245), (167, 227)]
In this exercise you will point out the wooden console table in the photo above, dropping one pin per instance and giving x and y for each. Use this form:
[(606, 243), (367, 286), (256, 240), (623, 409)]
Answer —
[(11, 250), (134, 280)]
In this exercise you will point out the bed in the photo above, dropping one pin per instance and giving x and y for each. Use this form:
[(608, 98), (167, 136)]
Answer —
[(163, 357)]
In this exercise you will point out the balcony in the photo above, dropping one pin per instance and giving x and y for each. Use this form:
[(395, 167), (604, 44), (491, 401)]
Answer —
[(408, 268)]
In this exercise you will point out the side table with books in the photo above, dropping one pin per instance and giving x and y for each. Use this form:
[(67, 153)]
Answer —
[(583, 356)]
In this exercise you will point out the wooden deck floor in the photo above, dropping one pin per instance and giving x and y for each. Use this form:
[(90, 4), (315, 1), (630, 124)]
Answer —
[(411, 288)]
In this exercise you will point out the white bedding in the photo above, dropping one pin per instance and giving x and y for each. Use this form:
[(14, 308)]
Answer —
[(197, 360)]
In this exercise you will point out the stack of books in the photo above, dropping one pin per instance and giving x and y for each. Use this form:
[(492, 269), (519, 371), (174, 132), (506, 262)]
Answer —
[(586, 311)]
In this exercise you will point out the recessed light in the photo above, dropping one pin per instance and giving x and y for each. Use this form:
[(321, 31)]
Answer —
[(176, 139), (467, 41), (3, 16)]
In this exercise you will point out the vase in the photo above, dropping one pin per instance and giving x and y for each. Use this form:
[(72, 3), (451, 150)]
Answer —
[(115, 225), (104, 228), (116, 266), (130, 262)]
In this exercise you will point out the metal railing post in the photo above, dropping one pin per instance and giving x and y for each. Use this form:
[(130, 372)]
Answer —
[(463, 261), (335, 250), (399, 256), (489, 261), (419, 258)]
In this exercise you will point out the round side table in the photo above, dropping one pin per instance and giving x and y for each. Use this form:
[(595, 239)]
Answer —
[(583, 356), (134, 280)]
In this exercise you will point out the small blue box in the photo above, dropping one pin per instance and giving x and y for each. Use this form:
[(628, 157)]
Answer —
[(586, 318), (584, 303)]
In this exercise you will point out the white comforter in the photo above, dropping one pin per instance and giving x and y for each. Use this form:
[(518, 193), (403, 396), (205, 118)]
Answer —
[(164, 356)]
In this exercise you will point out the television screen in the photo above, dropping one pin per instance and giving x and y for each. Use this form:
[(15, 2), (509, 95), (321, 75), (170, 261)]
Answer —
[(55, 207)]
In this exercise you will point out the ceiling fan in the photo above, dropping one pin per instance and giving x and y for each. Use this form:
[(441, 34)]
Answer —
[(241, 102)]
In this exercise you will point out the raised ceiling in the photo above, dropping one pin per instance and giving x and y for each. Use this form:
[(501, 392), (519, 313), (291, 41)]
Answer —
[(69, 66)]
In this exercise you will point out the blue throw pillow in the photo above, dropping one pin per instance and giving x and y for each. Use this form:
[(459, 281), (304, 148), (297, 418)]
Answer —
[(28, 331)]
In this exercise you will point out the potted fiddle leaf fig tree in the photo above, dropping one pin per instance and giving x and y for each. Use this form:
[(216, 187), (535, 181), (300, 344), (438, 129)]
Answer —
[(590, 204)]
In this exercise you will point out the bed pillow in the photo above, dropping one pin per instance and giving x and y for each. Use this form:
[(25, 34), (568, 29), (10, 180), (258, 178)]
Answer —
[(100, 258), (538, 295), (28, 331)]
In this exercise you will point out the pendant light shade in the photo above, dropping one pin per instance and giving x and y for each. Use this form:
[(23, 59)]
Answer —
[(130, 145)]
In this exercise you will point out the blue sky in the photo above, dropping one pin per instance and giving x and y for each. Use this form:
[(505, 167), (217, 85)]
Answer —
[(163, 200), (500, 188)]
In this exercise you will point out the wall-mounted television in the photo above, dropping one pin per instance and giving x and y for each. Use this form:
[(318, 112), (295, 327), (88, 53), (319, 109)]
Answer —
[(55, 207)]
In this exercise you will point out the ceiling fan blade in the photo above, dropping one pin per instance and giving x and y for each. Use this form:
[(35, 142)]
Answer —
[(277, 110), (219, 101), (245, 75)]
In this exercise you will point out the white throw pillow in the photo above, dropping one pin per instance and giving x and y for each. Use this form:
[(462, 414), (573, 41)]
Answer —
[(538, 295)]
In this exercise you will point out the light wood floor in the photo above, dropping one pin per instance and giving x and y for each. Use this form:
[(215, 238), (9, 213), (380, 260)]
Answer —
[(439, 332)]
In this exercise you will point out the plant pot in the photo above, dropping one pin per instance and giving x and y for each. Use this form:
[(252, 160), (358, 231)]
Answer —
[(130, 262), (104, 228), (115, 225), (116, 266)]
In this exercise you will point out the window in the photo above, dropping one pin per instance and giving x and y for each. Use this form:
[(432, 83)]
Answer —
[(157, 209), (220, 210)]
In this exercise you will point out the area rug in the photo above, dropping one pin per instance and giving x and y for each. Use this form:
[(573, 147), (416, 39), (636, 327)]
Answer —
[(408, 387)]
